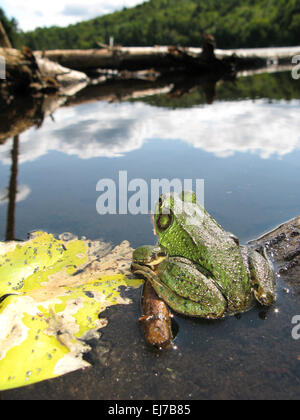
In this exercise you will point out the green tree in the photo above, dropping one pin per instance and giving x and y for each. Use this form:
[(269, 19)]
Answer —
[(235, 24)]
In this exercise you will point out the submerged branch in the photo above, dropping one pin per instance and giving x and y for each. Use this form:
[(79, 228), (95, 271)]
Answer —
[(156, 319)]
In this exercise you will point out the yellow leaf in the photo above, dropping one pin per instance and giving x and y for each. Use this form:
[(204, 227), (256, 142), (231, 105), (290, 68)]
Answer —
[(51, 294)]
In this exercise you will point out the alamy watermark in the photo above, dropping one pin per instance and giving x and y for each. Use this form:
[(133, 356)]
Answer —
[(138, 196), (296, 329), (296, 68), (2, 67)]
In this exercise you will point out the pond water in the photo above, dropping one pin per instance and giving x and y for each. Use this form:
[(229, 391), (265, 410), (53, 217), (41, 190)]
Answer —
[(246, 147)]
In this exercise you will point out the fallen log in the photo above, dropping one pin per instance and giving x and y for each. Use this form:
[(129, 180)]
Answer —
[(28, 93), (117, 58), (27, 74), (22, 76), (23, 102), (158, 57), (272, 55), (64, 76)]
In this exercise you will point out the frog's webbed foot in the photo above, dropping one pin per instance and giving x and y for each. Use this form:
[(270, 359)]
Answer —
[(142, 270), (262, 277)]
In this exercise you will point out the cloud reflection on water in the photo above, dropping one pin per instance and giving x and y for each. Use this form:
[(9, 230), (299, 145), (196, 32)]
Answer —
[(22, 194), (113, 130)]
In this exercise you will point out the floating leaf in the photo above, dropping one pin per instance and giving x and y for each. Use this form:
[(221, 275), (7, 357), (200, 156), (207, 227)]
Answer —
[(51, 293)]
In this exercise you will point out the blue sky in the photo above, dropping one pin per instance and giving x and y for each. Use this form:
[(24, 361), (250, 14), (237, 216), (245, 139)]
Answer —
[(33, 13)]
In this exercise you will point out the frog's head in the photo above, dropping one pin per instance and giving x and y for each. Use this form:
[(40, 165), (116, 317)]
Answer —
[(175, 214)]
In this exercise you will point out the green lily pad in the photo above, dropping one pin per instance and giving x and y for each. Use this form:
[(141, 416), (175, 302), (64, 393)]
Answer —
[(51, 294)]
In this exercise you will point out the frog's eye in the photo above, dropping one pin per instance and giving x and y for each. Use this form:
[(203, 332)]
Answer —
[(164, 221)]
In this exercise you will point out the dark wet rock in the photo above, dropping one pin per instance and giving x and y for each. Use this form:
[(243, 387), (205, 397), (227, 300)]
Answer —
[(67, 237), (103, 353), (292, 256), (283, 246)]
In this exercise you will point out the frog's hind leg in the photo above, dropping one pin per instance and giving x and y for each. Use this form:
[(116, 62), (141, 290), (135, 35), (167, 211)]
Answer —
[(262, 277), (216, 309), (188, 291), (185, 289)]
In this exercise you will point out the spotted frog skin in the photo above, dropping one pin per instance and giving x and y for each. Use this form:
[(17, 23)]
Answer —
[(198, 268)]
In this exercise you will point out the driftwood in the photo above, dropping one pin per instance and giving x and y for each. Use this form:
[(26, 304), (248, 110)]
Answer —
[(135, 58), (156, 319), (64, 76), (207, 58), (23, 102), (22, 76), (19, 108), (117, 58), (138, 58), (157, 57), (27, 74), (160, 58)]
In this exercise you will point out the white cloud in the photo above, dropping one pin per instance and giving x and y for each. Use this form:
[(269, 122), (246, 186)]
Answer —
[(33, 13), (22, 194), (112, 130)]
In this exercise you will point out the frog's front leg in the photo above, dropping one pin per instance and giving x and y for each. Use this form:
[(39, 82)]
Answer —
[(262, 277)]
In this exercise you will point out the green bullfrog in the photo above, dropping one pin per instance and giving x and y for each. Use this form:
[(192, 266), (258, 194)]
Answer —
[(198, 268)]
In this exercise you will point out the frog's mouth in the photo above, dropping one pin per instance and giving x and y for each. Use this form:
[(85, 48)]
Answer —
[(155, 259)]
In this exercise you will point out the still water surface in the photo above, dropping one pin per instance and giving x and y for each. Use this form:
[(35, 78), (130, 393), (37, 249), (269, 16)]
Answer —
[(247, 149)]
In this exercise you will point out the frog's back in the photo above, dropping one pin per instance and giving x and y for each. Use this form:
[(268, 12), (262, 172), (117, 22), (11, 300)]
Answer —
[(226, 261)]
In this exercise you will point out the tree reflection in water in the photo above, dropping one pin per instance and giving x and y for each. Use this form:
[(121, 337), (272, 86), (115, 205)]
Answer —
[(12, 192)]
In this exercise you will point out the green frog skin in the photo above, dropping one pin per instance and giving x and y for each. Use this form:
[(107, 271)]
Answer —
[(198, 268)]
